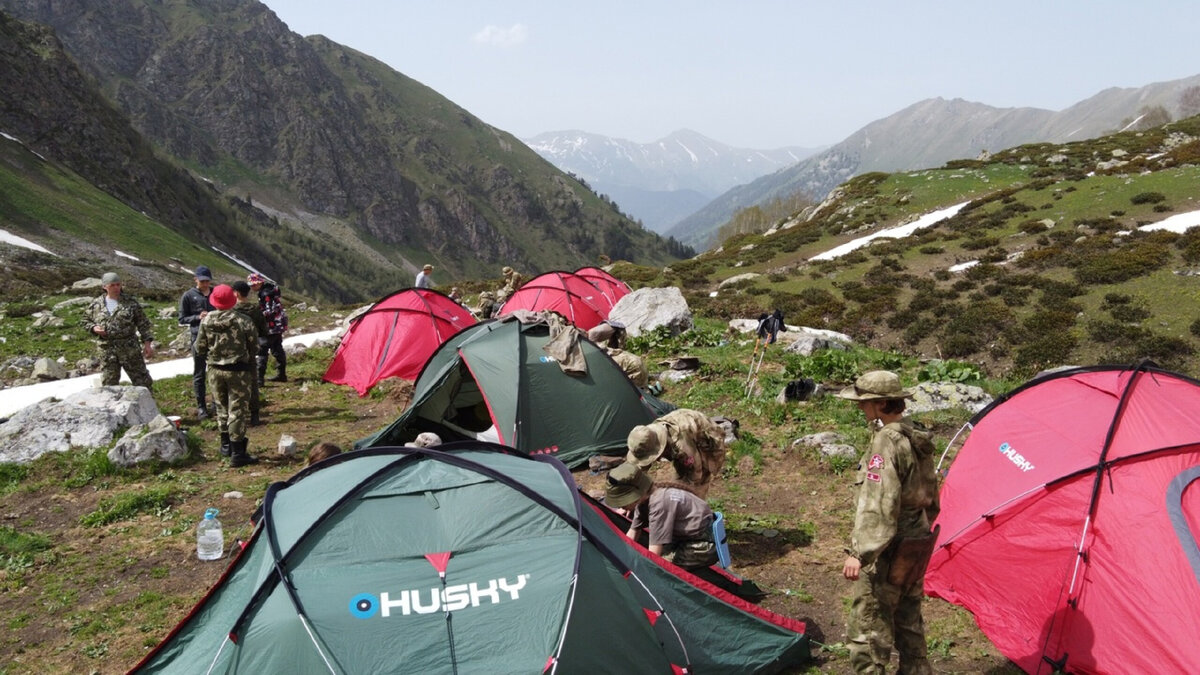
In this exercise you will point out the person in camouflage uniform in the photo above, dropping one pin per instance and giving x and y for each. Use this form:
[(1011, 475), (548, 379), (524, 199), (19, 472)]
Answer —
[(512, 281), (116, 320), (688, 439), (891, 542), (193, 306), (253, 312), (610, 336), (227, 340)]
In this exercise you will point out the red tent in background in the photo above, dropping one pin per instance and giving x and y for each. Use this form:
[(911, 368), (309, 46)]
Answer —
[(572, 296), (395, 337), (1069, 522), (613, 288)]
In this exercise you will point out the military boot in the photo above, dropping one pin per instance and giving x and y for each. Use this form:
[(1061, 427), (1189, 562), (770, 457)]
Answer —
[(240, 457), (226, 446)]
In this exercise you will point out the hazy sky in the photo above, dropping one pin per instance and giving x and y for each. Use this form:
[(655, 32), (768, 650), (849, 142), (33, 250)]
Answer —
[(755, 74)]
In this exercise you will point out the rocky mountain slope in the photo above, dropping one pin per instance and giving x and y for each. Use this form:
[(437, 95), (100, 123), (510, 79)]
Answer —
[(931, 132), (328, 143), (660, 182)]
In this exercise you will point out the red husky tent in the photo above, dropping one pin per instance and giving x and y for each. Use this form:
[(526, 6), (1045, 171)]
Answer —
[(613, 288), (1069, 522), (395, 337), (574, 297), (459, 560)]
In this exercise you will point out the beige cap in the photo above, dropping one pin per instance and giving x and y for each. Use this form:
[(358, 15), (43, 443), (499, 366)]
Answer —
[(626, 485), (646, 442), (875, 385)]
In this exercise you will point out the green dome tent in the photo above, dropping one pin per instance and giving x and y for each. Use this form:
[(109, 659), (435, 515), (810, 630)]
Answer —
[(464, 559), (496, 381)]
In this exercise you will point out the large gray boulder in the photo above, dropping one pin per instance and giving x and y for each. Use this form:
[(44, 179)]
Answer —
[(46, 369), (157, 440), (648, 308), (88, 419), (929, 396)]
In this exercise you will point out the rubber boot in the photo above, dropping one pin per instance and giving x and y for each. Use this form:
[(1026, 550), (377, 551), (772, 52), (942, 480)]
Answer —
[(240, 456), (226, 446)]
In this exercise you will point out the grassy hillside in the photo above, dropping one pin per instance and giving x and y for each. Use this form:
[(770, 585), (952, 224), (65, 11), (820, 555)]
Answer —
[(1063, 273)]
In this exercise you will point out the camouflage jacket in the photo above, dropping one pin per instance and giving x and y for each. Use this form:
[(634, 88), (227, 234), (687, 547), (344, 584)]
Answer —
[(252, 311), (227, 338), (698, 445), (123, 324), (898, 490)]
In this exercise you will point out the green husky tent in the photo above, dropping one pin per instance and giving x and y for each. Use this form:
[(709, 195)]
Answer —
[(498, 374), (466, 559)]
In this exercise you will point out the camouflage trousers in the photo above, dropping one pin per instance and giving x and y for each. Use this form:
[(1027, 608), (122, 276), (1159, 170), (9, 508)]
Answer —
[(231, 391), (699, 553), (882, 614), (125, 354)]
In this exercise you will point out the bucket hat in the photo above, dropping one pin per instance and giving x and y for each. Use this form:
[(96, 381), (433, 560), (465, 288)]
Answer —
[(875, 385)]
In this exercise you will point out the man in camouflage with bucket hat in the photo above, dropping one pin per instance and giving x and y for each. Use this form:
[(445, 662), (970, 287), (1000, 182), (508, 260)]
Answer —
[(227, 339), (891, 543), (688, 439), (116, 320)]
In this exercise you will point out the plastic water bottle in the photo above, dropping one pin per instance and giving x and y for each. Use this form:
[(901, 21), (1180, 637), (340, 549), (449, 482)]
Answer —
[(210, 539)]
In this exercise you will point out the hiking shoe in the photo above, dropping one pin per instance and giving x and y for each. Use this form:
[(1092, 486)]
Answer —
[(278, 378), (201, 413)]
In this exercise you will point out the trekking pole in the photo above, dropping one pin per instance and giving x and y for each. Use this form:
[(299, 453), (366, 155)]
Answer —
[(750, 374), (755, 366)]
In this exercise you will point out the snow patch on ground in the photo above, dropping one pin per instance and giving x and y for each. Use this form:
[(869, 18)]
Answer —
[(126, 255), (1177, 223), (10, 238), (898, 232), (963, 266), (16, 398)]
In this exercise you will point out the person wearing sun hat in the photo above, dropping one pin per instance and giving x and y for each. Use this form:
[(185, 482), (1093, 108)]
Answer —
[(512, 281), (679, 522), (891, 542), (270, 301), (228, 340), (688, 439)]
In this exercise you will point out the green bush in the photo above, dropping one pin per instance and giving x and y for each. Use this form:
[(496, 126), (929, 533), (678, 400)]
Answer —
[(1194, 328), (949, 371), (1116, 266), (827, 365), (1147, 198)]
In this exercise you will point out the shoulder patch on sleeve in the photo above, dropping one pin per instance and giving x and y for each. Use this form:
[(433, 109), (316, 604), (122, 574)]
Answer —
[(876, 462), (873, 477)]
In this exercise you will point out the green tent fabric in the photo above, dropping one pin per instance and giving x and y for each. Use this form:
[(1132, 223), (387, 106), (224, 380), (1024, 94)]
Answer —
[(497, 374), (465, 559)]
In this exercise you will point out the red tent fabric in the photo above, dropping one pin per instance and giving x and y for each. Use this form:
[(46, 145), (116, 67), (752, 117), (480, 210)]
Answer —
[(613, 288), (572, 296), (395, 337), (1069, 522)]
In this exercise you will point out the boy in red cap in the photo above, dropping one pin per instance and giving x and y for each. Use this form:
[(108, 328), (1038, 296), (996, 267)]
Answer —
[(227, 340)]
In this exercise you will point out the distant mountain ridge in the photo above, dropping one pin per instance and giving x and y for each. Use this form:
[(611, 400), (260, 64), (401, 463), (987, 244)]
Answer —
[(663, 181), (332, 144), (928, 134)]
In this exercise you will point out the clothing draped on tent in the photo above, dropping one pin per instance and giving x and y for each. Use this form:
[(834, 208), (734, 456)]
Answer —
[(1069, 522), (395, 337)]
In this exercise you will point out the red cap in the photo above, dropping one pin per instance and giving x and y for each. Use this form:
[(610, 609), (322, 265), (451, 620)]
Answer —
[(223, 297)]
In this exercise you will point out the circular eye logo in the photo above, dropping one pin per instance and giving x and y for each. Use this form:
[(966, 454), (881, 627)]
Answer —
[(364, 605)]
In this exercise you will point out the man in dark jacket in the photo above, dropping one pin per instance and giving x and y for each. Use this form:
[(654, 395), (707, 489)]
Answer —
[(193, 307), (249, 306), (270, 301)]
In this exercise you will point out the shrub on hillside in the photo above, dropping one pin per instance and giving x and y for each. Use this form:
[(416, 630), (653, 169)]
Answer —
[(932, 250), (15, 310), (1129, 313), (725, 306), (1116, 266), (1194, 329), (1147, 198), (980, 243), (918, 330), (1163, 208)]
